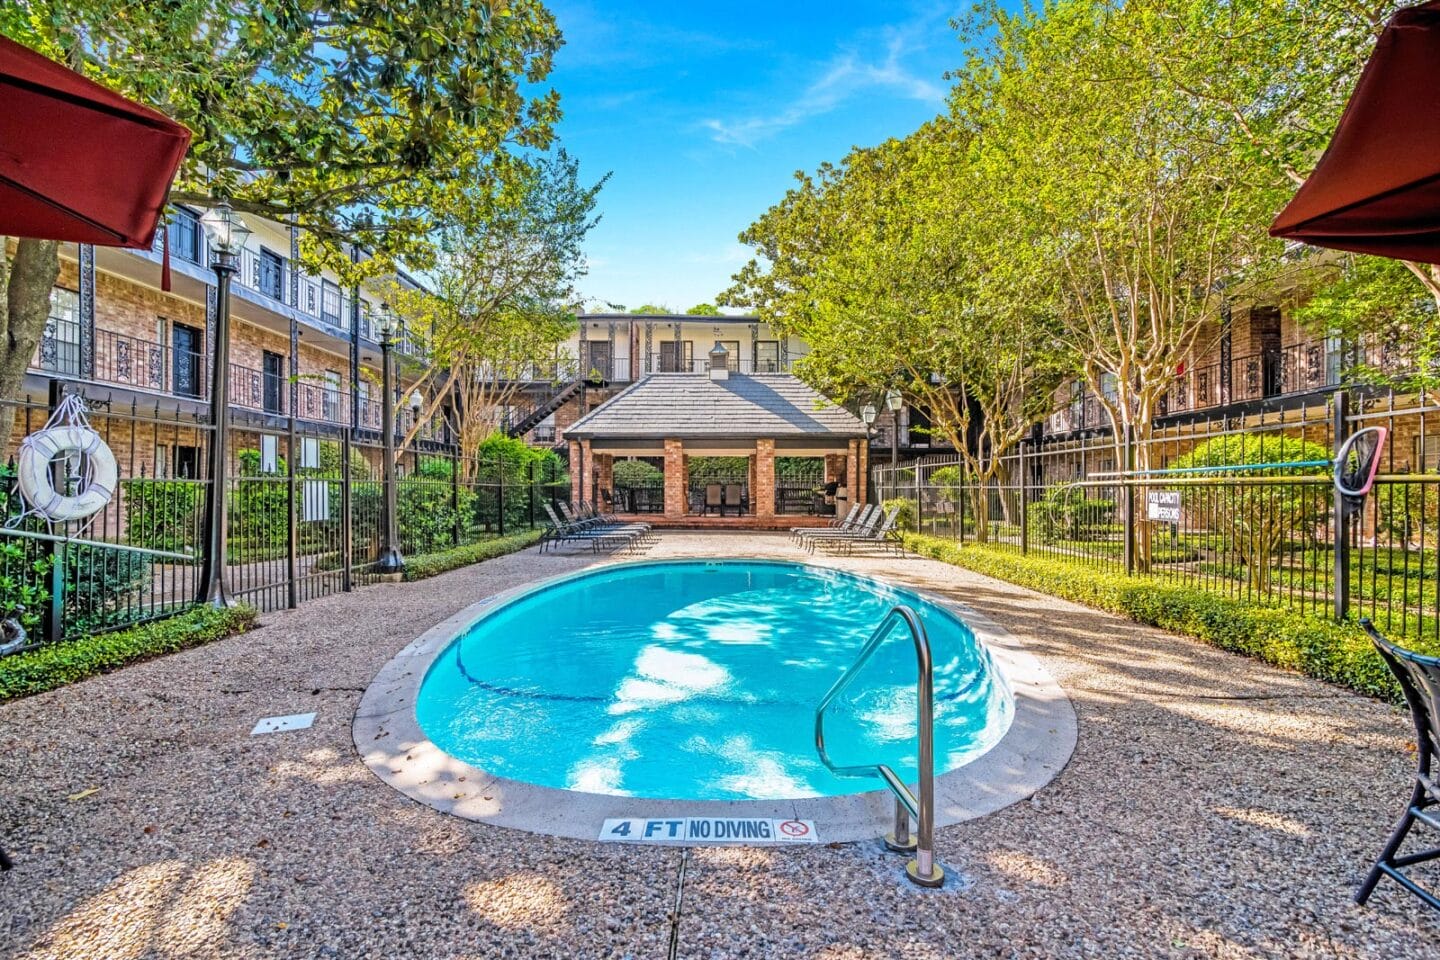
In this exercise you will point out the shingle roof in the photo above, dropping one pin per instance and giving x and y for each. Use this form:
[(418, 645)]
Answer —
[(686, 406)]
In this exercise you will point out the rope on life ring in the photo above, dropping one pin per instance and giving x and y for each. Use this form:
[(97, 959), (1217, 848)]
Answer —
[(40, 449)]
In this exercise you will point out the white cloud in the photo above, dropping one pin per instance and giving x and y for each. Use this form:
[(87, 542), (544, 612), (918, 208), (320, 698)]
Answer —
[(846, 75)]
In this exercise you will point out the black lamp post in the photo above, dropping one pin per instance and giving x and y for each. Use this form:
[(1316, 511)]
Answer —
[(227, 234), (389, 560), (867, 414), (894, 401)]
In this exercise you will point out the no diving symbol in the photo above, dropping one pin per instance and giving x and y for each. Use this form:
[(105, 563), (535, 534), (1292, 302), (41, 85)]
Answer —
[(794, 828)]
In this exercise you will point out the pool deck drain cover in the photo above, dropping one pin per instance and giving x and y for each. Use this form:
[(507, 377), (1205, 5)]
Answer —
[(292, 721)]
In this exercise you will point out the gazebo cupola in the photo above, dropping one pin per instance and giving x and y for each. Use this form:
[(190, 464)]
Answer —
[(719, 362)]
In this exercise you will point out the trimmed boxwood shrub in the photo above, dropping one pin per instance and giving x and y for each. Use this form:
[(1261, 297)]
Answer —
[(57, 664), (1337, 652), (429, 564)]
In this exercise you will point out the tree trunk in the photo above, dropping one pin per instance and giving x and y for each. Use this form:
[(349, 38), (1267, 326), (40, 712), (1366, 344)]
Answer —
[(26, 282), (980, 504)]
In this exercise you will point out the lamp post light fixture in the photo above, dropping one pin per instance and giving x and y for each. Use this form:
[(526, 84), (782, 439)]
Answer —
[(894, 401), (389, 560), (226, 234)]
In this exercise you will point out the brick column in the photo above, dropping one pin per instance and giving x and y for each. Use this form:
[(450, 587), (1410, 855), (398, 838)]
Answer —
[(864, 471), (576, 465), (751, 478), (675, 479), (763, 494), (587, 459), (604, 477), (852, 472)]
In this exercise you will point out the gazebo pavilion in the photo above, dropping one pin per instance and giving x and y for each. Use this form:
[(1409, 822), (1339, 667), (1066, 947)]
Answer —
[(677, 416)]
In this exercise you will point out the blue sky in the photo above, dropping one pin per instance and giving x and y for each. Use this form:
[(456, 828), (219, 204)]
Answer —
[(703, 112)]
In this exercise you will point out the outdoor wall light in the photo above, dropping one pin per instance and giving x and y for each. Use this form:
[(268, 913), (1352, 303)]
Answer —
[(416, 402)]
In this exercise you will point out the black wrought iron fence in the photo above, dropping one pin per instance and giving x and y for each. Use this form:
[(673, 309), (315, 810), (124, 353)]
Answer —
[(1243, 507), (305, 514)]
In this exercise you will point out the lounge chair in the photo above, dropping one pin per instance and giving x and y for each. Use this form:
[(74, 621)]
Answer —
[(885, 536), (1419, 678), (865, 528), (597, 533), (860, 522), (835, 524)]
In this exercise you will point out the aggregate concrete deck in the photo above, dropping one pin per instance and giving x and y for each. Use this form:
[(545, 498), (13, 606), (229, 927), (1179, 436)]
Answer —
[(1213, 807)]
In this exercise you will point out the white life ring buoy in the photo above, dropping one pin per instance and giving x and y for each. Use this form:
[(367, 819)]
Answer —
[(38, 450)]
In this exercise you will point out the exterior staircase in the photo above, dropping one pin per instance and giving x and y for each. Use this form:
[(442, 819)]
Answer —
[(557, 399)]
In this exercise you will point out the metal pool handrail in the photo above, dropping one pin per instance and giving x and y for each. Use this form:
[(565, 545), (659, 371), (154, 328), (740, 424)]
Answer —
[(923, 870)]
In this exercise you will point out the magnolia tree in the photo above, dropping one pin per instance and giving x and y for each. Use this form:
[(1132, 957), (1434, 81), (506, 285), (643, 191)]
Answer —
[(347, 120), (508, 254)]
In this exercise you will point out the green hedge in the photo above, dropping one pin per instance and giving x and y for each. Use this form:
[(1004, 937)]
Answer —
[(163, 514), (429, 564), (57, 664), (1320, 648)]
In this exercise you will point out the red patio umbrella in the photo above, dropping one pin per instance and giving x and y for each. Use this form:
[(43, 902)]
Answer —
[(79, 162), (1377, 187)]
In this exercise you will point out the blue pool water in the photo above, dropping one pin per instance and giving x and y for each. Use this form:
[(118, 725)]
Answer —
[(699, 680)]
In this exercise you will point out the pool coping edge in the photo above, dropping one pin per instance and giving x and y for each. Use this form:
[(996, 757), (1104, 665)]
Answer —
[(388, 738)]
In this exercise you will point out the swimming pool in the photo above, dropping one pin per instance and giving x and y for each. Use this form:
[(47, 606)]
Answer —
[(698, 680)]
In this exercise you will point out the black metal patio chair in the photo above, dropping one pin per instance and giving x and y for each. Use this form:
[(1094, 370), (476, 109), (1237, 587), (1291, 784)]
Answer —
[(1419, 678)]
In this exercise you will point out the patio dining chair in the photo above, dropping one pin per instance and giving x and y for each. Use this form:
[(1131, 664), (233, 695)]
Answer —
[(1419, 678), (713, 498), (733, 498)]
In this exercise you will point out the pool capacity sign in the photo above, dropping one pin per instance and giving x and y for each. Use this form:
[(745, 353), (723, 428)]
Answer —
[(686, 830)]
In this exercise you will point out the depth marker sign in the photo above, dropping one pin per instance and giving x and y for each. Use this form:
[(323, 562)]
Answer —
[(688, 830)]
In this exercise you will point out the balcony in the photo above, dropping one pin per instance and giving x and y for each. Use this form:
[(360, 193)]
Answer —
[(1297, 369), (666, 363), (134, 363), (262, 276)]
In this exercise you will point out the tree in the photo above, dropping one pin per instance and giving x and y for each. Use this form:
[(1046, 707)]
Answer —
[(508, 255), (703, 310), (652, 310), (883, 266), (1141, 205), (343, 119)]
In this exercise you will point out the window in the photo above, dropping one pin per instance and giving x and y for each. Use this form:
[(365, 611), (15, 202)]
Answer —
[(272, 372), (60, 343), (161, 466), (310, 453), (271, 277), (676, 357), (269, 453), (187, 462), (331, 404), (732, 349), (368, 417), (329, 302), (767, 356), (185, 235)]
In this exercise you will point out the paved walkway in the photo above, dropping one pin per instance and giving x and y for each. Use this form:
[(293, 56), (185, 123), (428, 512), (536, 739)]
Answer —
[(1214, 807)]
